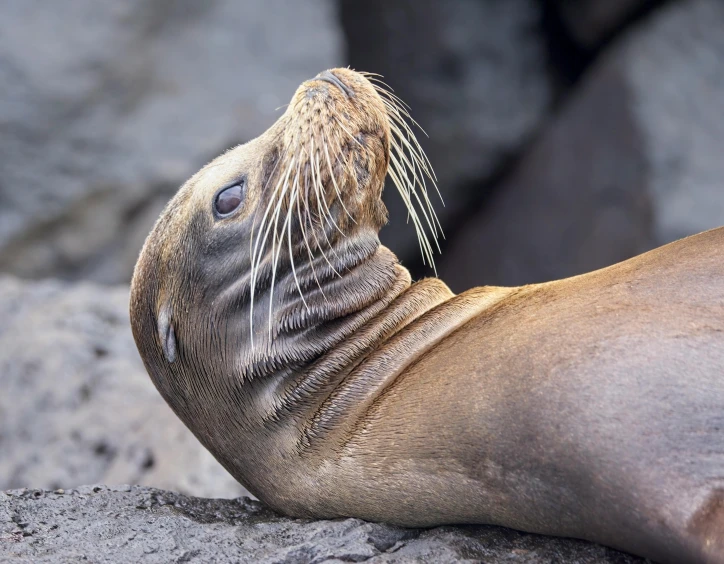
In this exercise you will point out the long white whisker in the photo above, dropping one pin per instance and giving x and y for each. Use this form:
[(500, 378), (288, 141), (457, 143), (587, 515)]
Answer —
[(409, 137), (321, 225), (425, 248), (318, 189), (334, 182), (257, 248), (276, 236), (321, 194), (309, 250), (422, 208), (412, 165), (348, 133), (288, 224)]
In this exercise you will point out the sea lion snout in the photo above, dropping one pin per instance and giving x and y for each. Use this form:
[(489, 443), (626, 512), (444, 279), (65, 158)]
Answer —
[(329, 76)]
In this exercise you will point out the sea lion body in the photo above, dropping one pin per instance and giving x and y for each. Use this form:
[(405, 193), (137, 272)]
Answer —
[(590, 407)]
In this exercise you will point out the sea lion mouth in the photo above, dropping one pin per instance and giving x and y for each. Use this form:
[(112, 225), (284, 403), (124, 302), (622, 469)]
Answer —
[(342, 134)]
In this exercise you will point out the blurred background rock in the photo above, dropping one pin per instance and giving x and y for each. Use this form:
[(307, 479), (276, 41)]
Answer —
[(567, 135)]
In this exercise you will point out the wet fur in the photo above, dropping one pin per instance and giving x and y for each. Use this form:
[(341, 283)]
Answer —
[(590, 407)]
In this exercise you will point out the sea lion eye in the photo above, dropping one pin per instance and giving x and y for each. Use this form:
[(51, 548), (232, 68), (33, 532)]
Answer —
[(228, 200)]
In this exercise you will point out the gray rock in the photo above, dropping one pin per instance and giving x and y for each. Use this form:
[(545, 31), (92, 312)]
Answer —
[(107, 107), (77, 406), (101, 524), (474, 75), (632, 162), (591, 21)]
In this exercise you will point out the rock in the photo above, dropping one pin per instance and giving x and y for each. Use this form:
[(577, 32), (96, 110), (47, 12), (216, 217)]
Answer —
[(591, 21), (77, 405), (101, 524), (473, 73), (632, 162), (108, 107)]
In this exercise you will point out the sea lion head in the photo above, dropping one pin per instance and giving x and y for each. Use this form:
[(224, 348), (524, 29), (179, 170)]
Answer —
[(269, 255)]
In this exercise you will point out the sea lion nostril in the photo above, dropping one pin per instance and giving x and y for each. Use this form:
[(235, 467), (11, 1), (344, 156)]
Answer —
[(329, 76)]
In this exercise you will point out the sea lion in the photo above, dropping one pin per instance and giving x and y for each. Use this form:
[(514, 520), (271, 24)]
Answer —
[(295, 347)]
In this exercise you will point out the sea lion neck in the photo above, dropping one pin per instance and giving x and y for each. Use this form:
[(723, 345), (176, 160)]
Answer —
[(310, 389), (333, 305)]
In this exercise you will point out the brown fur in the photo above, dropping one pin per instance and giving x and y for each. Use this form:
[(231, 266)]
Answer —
[(591, 407)]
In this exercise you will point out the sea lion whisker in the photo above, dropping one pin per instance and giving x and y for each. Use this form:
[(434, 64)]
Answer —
[(400, 136), (368, 73), (430, 224), (396, 114), (394, 167), (425, 247), (401, 115), (320, 214), (324, 256), (397, 106), (395, 102), (256, 260), (297, 203), (392, 101), (415, 146), (268, 207), (288, 224), (276, 249), (290, 210), (339, 123), (319, 188), (412, 214), (398, 172), (307, 208), (334, 182), (383, 88), (309, 250), (258, 248), (265, 218), (414, 163), (312, 226), (264, 188)]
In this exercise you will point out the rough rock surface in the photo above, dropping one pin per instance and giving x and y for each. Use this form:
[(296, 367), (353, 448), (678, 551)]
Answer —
[(131, 524), (107, 107), (632, 162), (474, 74), (77, 406)]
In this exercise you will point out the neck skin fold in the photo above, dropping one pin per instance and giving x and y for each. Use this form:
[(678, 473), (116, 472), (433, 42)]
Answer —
[(308, 395)]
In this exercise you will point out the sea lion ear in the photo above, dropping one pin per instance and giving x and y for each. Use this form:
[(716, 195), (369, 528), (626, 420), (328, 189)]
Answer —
[(166, 333)]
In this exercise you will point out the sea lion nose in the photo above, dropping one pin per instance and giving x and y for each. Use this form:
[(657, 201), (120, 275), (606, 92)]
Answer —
[(329, 76)]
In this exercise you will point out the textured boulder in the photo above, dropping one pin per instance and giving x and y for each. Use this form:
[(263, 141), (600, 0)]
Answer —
[(107, 107), (633, 161), (77, 405), (129, 524), (473, 73)]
